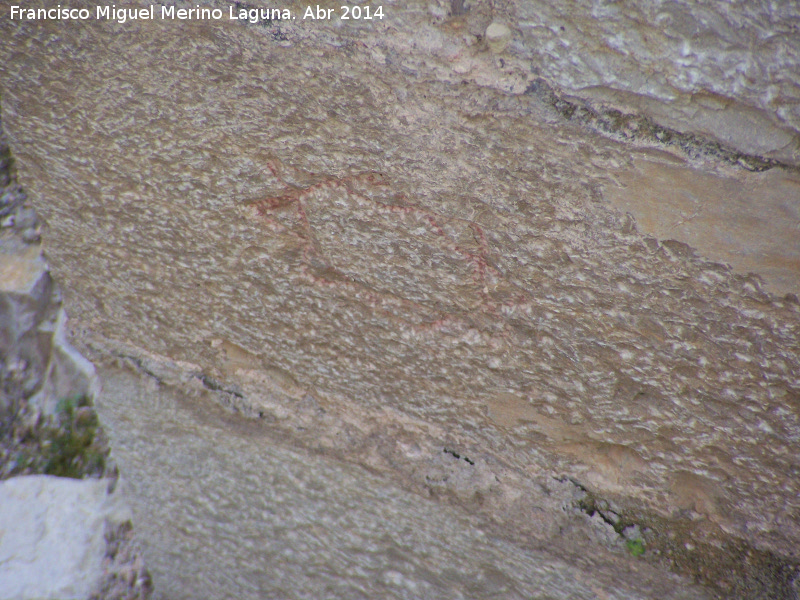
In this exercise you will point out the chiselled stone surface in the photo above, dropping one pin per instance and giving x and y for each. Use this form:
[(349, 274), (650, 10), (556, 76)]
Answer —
[(392, 256)]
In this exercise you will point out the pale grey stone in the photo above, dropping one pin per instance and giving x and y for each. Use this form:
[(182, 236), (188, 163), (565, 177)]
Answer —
[(32, 331), (223, 509), (51, 536), (497, 36)]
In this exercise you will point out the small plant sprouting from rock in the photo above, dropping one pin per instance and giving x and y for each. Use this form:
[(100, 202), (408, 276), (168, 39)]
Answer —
[(626, 529), (70, 450), (635, 547), (68, 443)]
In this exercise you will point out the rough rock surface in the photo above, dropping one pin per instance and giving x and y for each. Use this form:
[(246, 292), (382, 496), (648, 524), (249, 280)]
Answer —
[(239, 513), (37, 364), (390, 247), (52, 536), (47, 426), (726, 70), (748, 220)]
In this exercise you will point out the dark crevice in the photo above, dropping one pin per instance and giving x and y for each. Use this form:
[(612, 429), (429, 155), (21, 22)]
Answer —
[(727, 567), (455, 454), (633, 127), (216, 386)]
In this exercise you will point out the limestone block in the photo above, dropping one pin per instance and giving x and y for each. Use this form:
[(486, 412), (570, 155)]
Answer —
[(21, 273), (32, 331), (26, 304), (51, 536)]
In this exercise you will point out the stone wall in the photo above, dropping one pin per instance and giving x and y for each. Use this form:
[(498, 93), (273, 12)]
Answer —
[(363, 294)]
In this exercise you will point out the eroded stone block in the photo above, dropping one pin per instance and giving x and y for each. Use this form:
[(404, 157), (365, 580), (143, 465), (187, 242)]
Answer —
[(52, 536)]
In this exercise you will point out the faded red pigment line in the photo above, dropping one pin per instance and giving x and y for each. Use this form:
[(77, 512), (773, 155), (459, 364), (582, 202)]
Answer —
[(293, 198)]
